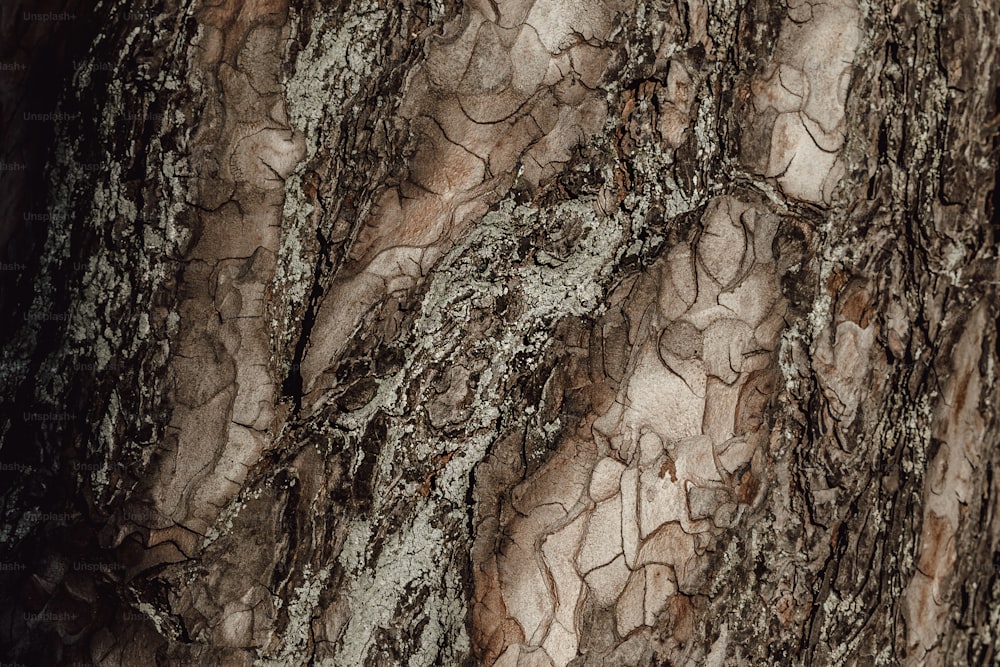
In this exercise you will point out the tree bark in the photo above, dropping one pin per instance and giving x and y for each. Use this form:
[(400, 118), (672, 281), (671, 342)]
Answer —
[(515, 332)]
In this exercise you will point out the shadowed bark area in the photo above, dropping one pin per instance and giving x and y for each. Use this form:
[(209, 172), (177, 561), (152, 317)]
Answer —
[(520, 332)]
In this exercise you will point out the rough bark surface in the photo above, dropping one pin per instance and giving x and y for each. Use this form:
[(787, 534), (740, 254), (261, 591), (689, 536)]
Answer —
[(502, 332)]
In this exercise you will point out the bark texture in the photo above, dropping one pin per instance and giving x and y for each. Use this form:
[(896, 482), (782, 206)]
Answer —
[(502, 332)]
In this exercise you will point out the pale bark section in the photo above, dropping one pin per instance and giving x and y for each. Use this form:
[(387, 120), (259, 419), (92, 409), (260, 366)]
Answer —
[(621, 515), (620, 519), (508, 93), (224, 393), (806, 85), (959, 427)]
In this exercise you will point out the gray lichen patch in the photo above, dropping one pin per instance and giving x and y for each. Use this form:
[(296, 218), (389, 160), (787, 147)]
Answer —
[(455, 294), (329, 69), (410, 562)]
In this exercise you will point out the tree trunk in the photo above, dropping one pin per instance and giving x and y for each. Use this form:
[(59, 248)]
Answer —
[(514, 332)]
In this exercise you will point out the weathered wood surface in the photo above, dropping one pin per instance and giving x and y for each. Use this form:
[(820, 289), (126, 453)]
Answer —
[(526, 332)]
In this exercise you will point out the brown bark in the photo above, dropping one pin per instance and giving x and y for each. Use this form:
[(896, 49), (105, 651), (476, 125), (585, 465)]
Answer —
[(525, 332)]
